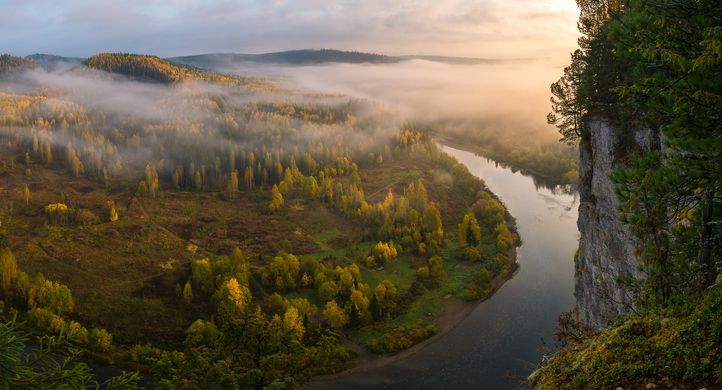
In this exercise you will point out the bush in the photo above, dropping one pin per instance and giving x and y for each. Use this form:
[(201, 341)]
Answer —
[(47, 321), (54, 297), (479, 285), (58, 213), (401, 337), (382, 253), (470, 253), (99, 340)]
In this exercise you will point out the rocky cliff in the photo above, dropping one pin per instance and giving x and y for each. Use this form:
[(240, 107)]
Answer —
[(606, 247)]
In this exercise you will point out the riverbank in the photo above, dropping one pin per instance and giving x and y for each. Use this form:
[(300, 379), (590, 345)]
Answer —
[(500, 342), (453, 313), (541, 178)]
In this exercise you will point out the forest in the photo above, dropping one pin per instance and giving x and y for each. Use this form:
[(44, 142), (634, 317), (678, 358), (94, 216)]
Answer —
[(204, 230), (656, 65), (498, 128)]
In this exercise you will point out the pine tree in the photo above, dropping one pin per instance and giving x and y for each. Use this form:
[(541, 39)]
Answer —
[(670, 197)]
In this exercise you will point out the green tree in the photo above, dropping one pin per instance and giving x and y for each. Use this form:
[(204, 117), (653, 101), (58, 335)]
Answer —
[(99, 340), (188, 292), (8, 268), (202, 275), (202, 333), (232, 299), (284, 270), (504, 238), (669, 197), (311, 187), (436, 268), (469, 230), (586, 88), (54, 297), (293, 321), (328, 291), (334, 315), (432, 222)]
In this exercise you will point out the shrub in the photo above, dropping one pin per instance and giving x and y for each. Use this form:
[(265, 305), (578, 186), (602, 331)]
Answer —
[(470, 253), (401, 337), (99, 340)]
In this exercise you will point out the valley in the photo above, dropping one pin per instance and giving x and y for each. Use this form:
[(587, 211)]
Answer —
[(319, 217)]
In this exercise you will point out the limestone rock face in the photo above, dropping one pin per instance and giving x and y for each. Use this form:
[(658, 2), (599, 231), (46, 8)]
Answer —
[(606, 247)]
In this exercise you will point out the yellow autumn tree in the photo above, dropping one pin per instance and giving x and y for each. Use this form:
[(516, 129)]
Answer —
[(293, 321), (26, 194), (276, 199), (112, 213), (334, 315)]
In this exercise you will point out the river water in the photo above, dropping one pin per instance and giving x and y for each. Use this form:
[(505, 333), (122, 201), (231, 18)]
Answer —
[(501, 342)]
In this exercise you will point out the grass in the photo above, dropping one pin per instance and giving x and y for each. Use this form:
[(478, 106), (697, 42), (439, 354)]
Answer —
[(667, 348)]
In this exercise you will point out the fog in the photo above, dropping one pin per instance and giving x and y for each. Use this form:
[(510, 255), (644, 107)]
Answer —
[(498, 106), (508, 98), (183, 116)]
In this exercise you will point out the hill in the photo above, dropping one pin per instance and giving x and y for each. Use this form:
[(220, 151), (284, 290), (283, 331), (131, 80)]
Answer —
[(51, 62), (155, 69), (11, 65), (293, 57), (311, 57)]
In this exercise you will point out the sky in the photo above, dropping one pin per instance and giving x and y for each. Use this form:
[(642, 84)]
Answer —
[(466, 28)]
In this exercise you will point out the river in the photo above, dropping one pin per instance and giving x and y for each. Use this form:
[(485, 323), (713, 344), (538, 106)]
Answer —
[(501, 342)]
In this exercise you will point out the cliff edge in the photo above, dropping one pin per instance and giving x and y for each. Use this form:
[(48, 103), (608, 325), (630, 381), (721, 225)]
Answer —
[(606, 247)]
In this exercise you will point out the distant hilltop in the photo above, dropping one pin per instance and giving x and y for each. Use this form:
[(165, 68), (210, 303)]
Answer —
[(311, 57), (174, 68)]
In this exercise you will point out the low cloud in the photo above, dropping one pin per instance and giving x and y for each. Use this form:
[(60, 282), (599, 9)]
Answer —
[(509, 98)]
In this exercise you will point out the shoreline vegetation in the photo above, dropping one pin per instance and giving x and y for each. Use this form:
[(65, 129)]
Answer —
[(547, 179), (453, 313), (206, 233)]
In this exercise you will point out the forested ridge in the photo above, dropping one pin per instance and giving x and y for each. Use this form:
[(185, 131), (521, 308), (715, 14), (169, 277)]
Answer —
[(152, 68), (653, 64), (10, 65), (209, 230), (296, 57)]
